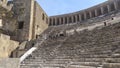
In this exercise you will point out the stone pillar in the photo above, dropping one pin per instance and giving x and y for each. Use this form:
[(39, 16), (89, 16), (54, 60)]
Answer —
[(96, 13), (116, 5), (90, 14), (80, 18), (85, 16), (60, 21), (55, 21), (102, 10), (109, 8), (76, 18), (64, 20), (72, 17)]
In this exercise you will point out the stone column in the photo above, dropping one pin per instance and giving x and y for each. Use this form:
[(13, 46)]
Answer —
[(64, 20), (102, 10), (72, 19), (55, 21), (96, 13), (60, 21), (109, 8), (80, 18), (76, 18), (85, 16), (90, 14), (116, 5)]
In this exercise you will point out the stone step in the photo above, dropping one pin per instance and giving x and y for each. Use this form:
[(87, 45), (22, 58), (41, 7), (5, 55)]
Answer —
[(116, 60), (53, 67), (30, 66), (79, 66), (94, 64), (32, 63), (111, 65), (62, 61)]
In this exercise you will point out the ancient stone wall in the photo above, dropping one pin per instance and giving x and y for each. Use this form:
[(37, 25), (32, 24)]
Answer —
[(29, 15), (40, 20), (3, 2), (7, 46), (24, 14), (92, 12)]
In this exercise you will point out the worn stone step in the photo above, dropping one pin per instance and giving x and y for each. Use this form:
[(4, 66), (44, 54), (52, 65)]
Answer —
[(79, 66), (111, 65), (94, 64)]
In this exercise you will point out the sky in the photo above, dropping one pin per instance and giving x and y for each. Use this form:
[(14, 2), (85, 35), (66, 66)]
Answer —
[(57, 7)]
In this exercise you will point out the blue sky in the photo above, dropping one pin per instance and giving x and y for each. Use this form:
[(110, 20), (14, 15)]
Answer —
[(56, 7)]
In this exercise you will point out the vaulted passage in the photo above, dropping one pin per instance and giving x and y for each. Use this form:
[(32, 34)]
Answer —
[(87, 15)]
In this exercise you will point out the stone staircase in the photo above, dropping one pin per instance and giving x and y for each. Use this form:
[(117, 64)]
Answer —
[(98, 48)]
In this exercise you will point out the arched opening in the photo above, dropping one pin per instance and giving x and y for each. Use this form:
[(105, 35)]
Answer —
[(82, 17), (62, 20), (74, 20), (53, 21), (58, 22), (65, 20), (99, 12), (87, 15), (105, 9), (112, 7), (93, 13), (78, 18), (118, 2)]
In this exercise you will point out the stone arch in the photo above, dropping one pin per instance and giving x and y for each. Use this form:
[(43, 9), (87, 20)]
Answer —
[(82, 17), (66, 20), (118, 2), (99, 12), (112, 6), (58, 21), (87, 15), (74, 19), (62, 20), (78, 18), (50, 22), (105, 9), (53, 21), (93, 13)]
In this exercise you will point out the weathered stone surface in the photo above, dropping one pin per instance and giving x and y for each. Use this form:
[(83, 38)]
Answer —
[(9, 63), (90, 39), (7, 46), (111, 65), (32, 17)]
